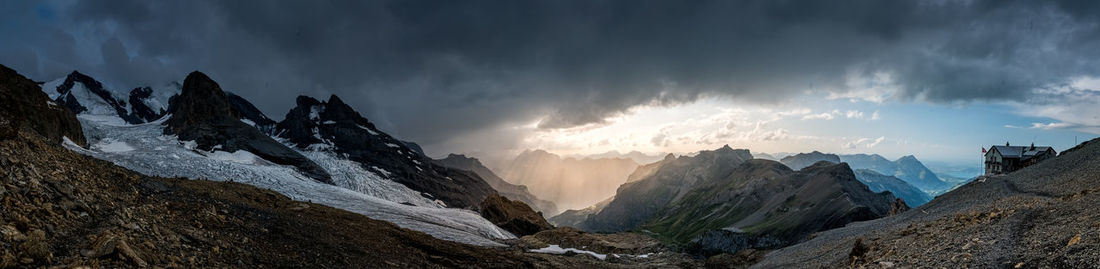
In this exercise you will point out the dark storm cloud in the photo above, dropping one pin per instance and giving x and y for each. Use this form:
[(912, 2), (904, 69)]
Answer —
[(433, 70)]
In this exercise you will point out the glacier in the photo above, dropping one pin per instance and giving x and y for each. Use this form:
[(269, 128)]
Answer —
[(145, 149)]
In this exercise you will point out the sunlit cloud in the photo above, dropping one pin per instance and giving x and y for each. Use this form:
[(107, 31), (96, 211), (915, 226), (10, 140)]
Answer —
[(822, 116), (1052, 125), (864, 142)]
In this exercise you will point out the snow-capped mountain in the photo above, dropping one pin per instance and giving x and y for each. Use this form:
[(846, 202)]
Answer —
[(217, 136), (333, 126), (83, 94), (203, 114)]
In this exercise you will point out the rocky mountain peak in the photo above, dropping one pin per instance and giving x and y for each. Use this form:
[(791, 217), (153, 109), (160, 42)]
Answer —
[(306, 101), (201, 99), (334, 126), (203, 113), (840, 170), (76, 76)]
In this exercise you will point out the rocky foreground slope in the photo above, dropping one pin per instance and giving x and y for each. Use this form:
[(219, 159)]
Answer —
[(1042, 216)]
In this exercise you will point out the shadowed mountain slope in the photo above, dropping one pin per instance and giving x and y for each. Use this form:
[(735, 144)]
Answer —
[(335, 126)]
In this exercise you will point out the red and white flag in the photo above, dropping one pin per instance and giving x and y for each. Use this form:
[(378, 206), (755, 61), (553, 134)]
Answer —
[(983, 149)]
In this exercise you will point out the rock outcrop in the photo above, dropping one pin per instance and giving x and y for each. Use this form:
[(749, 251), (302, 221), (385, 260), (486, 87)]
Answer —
[(24, 107), (204, 114), (514, 216)]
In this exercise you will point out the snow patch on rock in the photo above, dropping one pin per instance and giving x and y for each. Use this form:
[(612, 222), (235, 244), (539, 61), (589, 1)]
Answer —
[(555, 249)]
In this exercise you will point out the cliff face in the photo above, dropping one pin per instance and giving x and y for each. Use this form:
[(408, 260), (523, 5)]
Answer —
[(24, 107)]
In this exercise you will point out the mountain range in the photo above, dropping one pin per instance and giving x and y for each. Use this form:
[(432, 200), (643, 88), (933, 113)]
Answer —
[(69, 202), (635, 155), (322, 151), (911, 172), (724, 200)]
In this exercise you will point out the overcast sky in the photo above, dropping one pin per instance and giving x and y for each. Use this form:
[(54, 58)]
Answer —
[(495, 77)]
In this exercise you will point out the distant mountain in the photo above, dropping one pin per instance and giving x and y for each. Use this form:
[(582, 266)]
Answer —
[(635, 155), (802, 160), (913, 171), (726, 200), (872, 162), (879, 183), (83, 94), (509, 190), (906, 168), (334, 126), (569, 183), (761, 155), (576, 217)]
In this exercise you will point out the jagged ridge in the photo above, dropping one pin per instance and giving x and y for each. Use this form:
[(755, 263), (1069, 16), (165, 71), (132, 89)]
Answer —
[(202, 113)]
